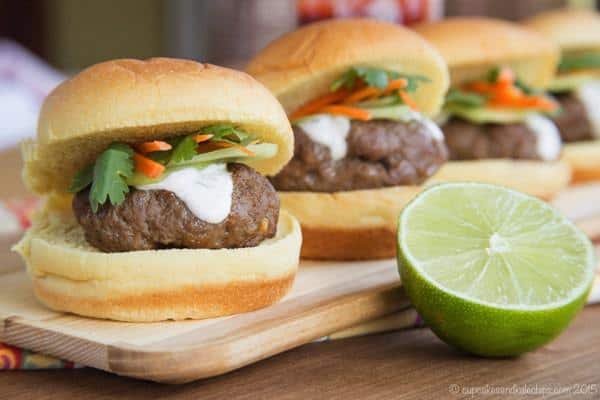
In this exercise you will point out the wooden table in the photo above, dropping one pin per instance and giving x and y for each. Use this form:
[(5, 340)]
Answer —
[(412, 363)]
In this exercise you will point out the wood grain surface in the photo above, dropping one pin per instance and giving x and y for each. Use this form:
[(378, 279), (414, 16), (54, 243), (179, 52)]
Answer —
[(411, 364)]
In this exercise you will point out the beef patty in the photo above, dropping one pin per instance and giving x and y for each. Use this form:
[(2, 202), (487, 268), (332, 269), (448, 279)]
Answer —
[(572, 121), (470, 141), (380, 154), (157, 219)]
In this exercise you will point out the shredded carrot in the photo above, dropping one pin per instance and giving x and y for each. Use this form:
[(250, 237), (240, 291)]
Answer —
[(362, 94), (395, 85), (148, 167), (535, 102), (156, 145), (407, 100), (352, 112), (202, 138), (314, 105)]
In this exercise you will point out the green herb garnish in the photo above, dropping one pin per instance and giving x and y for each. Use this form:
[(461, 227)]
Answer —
[(108, 176), (374, 77)]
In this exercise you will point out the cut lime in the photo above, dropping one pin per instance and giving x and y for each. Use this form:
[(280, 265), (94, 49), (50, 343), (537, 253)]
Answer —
[(492, 271)]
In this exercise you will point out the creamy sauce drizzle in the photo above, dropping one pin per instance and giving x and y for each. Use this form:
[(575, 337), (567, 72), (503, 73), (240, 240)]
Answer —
[(548, 137), (589, 94), (206, 192), (330, 131)]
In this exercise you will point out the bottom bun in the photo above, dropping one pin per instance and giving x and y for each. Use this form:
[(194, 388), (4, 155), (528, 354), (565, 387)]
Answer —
[(352, 225), (537, 178), (142, 286), (584, 158), (361, 224)]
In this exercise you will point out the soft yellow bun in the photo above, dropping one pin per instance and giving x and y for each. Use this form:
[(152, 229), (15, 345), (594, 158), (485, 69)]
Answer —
[(301, 65), (352, 225), (584, 158), (132, 100), (537, 178), (571, 29), (473, 45), (70, 275)]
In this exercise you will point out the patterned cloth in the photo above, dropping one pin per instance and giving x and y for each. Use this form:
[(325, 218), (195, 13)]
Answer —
[(14, 358)]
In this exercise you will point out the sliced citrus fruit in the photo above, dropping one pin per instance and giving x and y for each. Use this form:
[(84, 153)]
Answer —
[(492, 271)]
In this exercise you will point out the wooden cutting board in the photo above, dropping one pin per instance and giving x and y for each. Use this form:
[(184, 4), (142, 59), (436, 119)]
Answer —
[(326, 297)]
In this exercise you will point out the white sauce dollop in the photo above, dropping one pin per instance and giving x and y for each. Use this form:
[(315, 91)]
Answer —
[(548, 137), (589, 95), (330, 131), (206, 192)]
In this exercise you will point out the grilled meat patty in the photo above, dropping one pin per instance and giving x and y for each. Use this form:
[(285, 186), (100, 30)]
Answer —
[(158, 219)]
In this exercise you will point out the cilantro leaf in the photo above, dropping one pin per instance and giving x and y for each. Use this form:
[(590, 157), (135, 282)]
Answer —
[(456, 96), (183, 150), (492, 75), (111, 170), (82, 179)]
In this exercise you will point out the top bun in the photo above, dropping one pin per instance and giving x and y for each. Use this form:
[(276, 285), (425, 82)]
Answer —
[(473, 45), (132, 100), (571, 29), (301, 65)]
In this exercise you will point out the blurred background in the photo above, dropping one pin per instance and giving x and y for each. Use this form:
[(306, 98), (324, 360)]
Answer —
[(43, 41)]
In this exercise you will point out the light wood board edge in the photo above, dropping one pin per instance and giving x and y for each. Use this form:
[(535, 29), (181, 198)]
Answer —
[(218, 357)]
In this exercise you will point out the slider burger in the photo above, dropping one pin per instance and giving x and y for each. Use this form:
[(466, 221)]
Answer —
[(156, 206), (496, 118), (358, 93), (577, 85)]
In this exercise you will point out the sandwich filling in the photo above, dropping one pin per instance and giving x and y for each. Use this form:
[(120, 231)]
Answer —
[(190, 191), (365, 133), (500, 117), (577, 88)]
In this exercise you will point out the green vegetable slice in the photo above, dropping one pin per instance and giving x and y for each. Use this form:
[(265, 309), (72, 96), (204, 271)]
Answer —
[(579, 61)]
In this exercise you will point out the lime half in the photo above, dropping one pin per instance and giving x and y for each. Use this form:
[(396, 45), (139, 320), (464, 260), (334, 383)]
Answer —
[(492, 271)]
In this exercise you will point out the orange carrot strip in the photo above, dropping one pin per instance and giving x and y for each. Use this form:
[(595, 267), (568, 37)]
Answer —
[(156, 145), (202, 138), (407, 100), (148, 167), (352, 112), (314, 105), (395, 85), (534, 102), (362, 94)]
